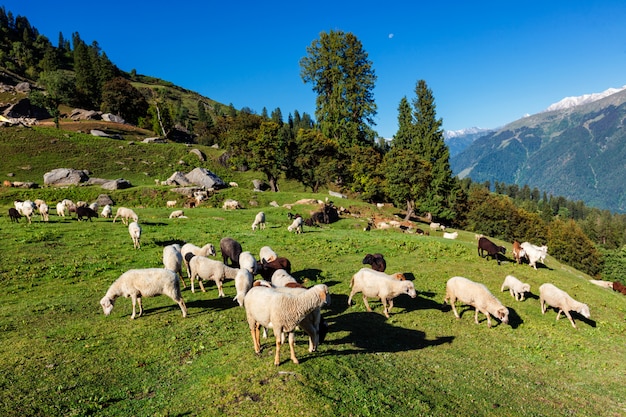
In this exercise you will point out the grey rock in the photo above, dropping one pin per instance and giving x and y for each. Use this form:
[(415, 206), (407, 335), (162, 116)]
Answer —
[(205, 178), (117, 184), (65, 176)]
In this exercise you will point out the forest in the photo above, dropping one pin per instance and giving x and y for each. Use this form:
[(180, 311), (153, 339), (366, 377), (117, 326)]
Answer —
[(337, 147)]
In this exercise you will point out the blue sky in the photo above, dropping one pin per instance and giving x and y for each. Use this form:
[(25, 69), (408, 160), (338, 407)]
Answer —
[(487, 62)]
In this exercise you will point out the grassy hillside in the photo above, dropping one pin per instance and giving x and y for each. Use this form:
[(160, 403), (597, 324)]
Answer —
[(60, 356)]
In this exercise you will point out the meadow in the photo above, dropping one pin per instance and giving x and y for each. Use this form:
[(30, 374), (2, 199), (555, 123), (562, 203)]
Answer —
[(60, 356)]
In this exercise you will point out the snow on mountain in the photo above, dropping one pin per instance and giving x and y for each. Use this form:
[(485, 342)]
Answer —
[(568, 102), (451, 134)]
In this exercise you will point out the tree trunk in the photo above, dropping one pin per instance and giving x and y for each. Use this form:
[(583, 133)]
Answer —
[(273, 183), (160, 121), (410, 209)]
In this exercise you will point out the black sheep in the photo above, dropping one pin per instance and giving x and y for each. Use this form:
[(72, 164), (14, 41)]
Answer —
[(14, 215), (267, 269), (377, 261), (85, 212), (231, 249), (491, 248)]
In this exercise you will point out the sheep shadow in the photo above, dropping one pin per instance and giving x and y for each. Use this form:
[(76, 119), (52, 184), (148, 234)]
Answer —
[(147, 223), (514, 319), (210, 305), (371, 332), (164, 243), (423, 301), (311, 274), (575, 316)]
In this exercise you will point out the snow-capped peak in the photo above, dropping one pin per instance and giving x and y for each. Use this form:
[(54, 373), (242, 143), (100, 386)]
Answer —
[(568, 102), (449, 134)]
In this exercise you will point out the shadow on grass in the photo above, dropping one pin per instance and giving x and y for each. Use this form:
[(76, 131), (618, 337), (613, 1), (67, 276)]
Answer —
[(169, 242), (514, 319)]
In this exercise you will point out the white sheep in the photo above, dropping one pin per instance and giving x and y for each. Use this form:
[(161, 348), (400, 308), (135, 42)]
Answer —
[(25, 208), (61, 209), (282, 312), (535, 253), (94, 206), (434, 226), (171, 203), (296, 225), (138, 283), (173, 260), (516, 287), (125, 214), (247, 261), (106, 212), (190, 248), (380, 285), (243, 282), (230, 204), (550, 295), (447, 235), (476, 295), (44, 211), (281, 278), (204, 269), (259, 221), (177, 214), (135, 233), (267, 254)]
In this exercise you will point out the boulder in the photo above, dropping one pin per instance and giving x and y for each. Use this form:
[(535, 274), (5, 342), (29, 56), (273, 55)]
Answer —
[(65, 176), (82, 114), (24, 109), (178, 178), (205, 178), (260, 185), (117, 184), (199, 154), (104, 199), (101, 134), (108, 117)]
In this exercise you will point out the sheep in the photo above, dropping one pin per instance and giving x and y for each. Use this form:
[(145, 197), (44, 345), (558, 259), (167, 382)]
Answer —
[(535, 253), (94, 206), (247, 261), (516, 287), (447, 235), (296, 225), (61, 209), (135, 234), (25, 208), (231, 249), (84, 211), (14, 215), (177, 214), (434, 226), (518, 252), (69, 205), (378, 284), (106, 212), (171, 203), (550, 295), (267, 269), (190, 248), (281, 311), (125, 214), (138, 283), (44, 211), (259, 221), (377, 261), (230, 204), (477, 296), (491, 248), (267, 254), (173, 260), (205, 269), (282, 278), (243, 282)]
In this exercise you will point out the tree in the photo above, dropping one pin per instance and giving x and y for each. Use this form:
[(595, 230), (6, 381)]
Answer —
[(59, 89), (407, 177), (343, 77), (314, 161), (121, 98), (265, 153)]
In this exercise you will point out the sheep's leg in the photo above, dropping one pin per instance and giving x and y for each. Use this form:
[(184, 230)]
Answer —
[(543, 306), (220, 290), (488, 319), (292, 347), (201, 284), (385, 310), (278, 334), (133, 298), (558, 315), (183, 307), (254, 331), (390, 305), (512, 293), (140, 306), (367, 305), (452, 301), (476, 316), (571, 320), (350, 297), (180, 275)]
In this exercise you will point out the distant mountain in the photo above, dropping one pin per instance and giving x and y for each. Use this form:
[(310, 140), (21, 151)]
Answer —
[(458, 140), (577, 150)]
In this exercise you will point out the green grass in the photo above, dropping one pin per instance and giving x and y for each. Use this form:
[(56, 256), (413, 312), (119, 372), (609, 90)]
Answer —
[(60, 356)]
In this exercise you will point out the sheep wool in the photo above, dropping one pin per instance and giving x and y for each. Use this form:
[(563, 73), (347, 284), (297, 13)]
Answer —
[(378, 284), (477, 296), (550, 295)]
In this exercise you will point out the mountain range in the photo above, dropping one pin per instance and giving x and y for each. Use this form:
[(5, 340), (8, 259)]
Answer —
[(576, 148)]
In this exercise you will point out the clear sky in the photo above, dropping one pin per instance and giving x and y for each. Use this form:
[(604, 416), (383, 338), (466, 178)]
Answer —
[(487, 62)]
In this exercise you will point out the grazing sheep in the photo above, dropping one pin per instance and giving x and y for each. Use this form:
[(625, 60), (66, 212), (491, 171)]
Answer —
[(25, 208), (243, 282), (231, 249), (282, 278), (486, 245), (61, 209), (259, 221), (267, 269), (14, 215), (190, 248), (177, 214), (282, 312), (377, 261), (84, 211), (205, 269), (138, 283), (70, 206), (477, 296), (94, 206), (106, 212), (601, 283), (516, 287), (43, 210), (380, 285), (135, 233), (447, 235), (619, 287), (125, 214), (171, 203), (230, 204), (550, 295), (535, 253), (434, 226), (518, 252), (173, 260), (247, 261), (267, 254), (296, 225)]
